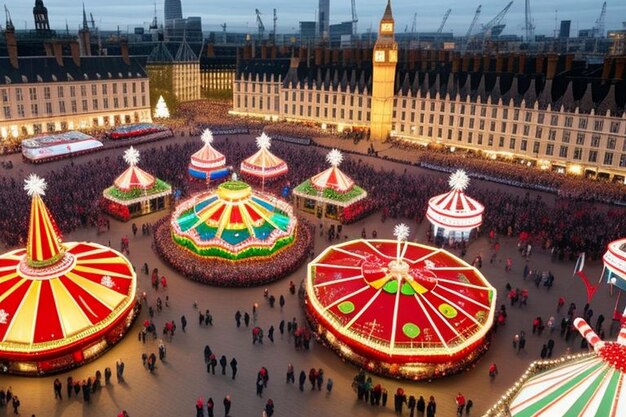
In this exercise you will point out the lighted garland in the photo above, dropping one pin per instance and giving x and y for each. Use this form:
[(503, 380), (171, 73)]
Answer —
[(218, 252), (159, 186), (328, 193)]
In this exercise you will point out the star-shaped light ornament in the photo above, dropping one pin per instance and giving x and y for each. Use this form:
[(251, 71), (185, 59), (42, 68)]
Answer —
[(107, 281), (401, 232), (4, 317), (263, 141), (131, 156), (334, 157), (207, 137), (459, 180), (35, 185)]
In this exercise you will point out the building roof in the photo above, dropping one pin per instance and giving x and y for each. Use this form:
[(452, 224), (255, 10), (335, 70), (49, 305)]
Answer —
[(185, 53), (46, 69), (160, 53)]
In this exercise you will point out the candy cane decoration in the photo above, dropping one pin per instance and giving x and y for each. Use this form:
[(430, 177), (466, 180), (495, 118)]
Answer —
[(621, 338), (587, 332)]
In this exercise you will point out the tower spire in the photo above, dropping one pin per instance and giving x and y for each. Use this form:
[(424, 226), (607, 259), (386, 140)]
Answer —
[(85, 24), (9, 22)]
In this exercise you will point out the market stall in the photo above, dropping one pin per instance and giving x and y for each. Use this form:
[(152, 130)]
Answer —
[(208, 164), (263, 165), (56, 146)]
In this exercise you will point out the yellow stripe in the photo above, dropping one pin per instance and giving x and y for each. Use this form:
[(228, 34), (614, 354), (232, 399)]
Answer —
[(100, 271), (10, 291), (8, 277), (72, 317), (107, 296), (112, 260), (35, 212), (50, 233), (22, 328), (207, 212), (224, 220)]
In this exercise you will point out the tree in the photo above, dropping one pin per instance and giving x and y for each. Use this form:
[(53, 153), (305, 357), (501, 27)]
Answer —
[(161, 111)]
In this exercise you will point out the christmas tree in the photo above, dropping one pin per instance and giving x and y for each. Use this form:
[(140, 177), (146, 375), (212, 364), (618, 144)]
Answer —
[(161, 111)]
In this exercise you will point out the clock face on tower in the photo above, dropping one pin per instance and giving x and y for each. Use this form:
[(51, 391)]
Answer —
[(386, 27), (393, 55), (379, 56)]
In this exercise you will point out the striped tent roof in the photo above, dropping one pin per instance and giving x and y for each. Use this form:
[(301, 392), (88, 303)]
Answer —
[(615, 259), (134, 177), (454, 210), (264, 164), (332, 178), (44, 246), (589, 385), (207, 159)]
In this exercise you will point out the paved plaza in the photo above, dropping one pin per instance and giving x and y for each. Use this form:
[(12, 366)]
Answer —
[(179, 381)]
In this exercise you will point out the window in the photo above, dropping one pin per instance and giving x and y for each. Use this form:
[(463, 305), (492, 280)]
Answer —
[(536, 147), (483, 111), (523, 145), (578, 153), (598, 125), (505, 113), (608, 158), (18, 94), (622, 160), (74, 108), (94, 104), (481, 124), (566, 136), (62, 107), (503, 127), (540, 118), (610, 143), (526, 130), (124, 89), (50, 127), (595, 141), (563, 151), (549, 149), (580, 139), (94, 89), (516, 114), (538, 132), (552, 134), (84, 105), (72, 91), (528, 116), (116, 103), (501, 141), (105, 90), (593, 156), (83, 90), (582, 123), (46, 93), (472, 110), (20, 110), (7, 112), (554, 120), (5, 95), (614, 127), (480, 138), (512, 143), (48, 108), (569, 121), (105, 103), (490, 140), (492, 126), (494, 113)]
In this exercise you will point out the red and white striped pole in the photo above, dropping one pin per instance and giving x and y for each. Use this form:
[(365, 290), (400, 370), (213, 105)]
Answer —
[(587, 332)]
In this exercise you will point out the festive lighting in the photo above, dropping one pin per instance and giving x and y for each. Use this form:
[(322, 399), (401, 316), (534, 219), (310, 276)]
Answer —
[(35, 185), (334, 157), (161, 111), (131, 156), (263, 141), (207, 137), (459, 180)]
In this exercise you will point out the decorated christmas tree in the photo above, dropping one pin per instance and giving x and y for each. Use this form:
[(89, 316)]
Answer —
[(161, 111)]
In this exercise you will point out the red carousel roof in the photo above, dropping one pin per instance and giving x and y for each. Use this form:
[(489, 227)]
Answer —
[(264, 164), (56, 297), (333, 177), (615, 258), (133, 177), (454, 210), (207, 158), (400, 302)]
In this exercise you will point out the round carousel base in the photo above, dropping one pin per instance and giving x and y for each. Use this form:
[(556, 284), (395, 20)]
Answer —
[(248, 272), (416, 371)]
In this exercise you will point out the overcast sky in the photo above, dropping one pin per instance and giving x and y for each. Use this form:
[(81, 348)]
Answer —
[(239, 14)]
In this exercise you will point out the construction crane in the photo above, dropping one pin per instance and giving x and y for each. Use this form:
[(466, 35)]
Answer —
[(471, 27), (414, 24), (443, 22), (598, 30), (93, 22), (274, 27), (529, 27), (223, 26), (355, 19), (495, 27), (154, 25), (260, 24)]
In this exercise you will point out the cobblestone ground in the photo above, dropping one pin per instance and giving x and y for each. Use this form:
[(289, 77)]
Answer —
[(178, 382)]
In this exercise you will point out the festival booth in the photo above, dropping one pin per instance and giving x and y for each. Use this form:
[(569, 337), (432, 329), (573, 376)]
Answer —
[(454, 215), (330, 194), (233, 236), (61, 303), (135, 193), (140, 130), (208, 164), (614, 259), (399, 308), (583, 385), (263, 165), (50, 147)]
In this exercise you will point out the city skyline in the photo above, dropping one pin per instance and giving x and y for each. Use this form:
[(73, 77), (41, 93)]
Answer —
[(242, 18)]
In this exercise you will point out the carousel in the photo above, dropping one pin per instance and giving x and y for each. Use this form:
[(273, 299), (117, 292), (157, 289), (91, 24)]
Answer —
[(135, 193), (61, 303), (207, 164), (263, 165), (615, 264), (329, 194), (583, 385), (399, 308), (236, 232), (454, 215)]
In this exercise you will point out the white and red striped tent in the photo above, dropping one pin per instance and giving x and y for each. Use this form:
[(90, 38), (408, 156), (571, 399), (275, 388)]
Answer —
[(455, 211), (207, 159), (133, 177), (615, 262), (332, 178), (264, 164)]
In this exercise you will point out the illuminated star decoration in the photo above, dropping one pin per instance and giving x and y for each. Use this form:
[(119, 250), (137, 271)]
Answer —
[(35, 185), (106, 281), (458, 180), (334, 157), (263, 141), (131, 156), (3, 316), (207, 137), (401, 232)]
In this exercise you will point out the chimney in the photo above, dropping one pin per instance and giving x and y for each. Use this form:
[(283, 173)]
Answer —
[(465, 63), (553, 60), (57, 48), (606, 68), (302, 53), (569, 59), (486, 63), (263, 52), (124, 51), (619, 68), (347, 56), (9, 35), (335, 56), (412, 59), (499, 63), (247, 52), (442, 56), (326, 55), (318, 56), (521, 64), (273, 52), (75, 50), (456, 63), (423, 61), (539, 60), (210, 50), (476, 66), (510, 63)]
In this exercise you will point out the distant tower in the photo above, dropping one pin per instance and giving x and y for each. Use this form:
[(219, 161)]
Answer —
[(85, 36), (323, 25), (385, 59), (172, 9), (41, 17)]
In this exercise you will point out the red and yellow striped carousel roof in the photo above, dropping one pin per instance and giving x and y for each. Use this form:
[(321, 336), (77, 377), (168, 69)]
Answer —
[(332, 178), (134, 177)]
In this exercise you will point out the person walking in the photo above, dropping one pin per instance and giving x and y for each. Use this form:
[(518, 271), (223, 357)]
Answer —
[(70, 385), (320, 379), (431, 408), (270, 333), (460, 404), (233, 367), (183, 322), (269, 408), (210, 405), (200, 408), (281, 301), (246, 319), (58, 386), (290, 374), (411, 405), (16, 404), (223, 363), (227, 405), (421, 406), (493, 371), (119, 367), (302, 380), (281, 327), (238, 318), (259, 385), (329, 385)]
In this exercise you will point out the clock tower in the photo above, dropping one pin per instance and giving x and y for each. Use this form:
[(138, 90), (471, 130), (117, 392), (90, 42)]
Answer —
[(385, 59)]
